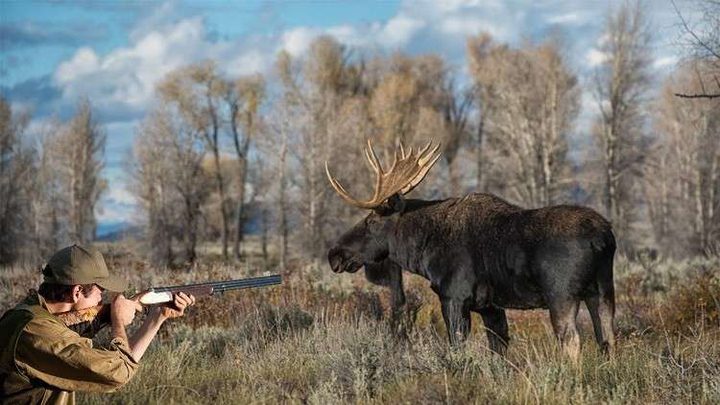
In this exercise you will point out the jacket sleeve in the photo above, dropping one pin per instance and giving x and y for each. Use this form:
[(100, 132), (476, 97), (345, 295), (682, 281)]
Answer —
[(54, 354)]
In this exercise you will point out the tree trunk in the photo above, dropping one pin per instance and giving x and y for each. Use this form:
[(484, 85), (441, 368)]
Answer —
[(478, 153), (240, 214), (282, 203), (455, 188), (610, 183), (223, 205)]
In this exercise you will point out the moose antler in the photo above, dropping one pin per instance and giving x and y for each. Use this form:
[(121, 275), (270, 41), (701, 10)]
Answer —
[(406, 172)]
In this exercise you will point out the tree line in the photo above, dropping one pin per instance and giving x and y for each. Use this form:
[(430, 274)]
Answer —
[(49, 188), (219, 156)]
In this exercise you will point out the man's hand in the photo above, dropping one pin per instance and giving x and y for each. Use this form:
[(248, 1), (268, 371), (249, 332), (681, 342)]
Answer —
[(123, 310), (177, 308)]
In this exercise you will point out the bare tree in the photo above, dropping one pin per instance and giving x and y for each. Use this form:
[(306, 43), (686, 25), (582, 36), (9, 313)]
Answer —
[(314, 90), (276, 147), (151, 171), (197, 93), (621, 83), (170, 184), (456, 106), (683, 171), (410, 93), (244, 98), (17, 169), (702, 40), (478, 49), (80, 147), (530, 101), (49, 208)]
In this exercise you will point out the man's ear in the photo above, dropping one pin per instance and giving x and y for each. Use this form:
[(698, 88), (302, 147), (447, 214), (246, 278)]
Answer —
[(76, 293)]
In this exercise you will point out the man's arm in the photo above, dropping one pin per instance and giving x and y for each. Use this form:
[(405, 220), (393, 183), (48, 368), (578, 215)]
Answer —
[(157, 316), (122, 313), (50, 352)]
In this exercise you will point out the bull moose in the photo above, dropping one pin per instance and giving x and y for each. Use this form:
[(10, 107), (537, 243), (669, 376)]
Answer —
[(483, 254)]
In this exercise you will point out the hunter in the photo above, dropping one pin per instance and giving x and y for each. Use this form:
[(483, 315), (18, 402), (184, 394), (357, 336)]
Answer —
[(45, 362)]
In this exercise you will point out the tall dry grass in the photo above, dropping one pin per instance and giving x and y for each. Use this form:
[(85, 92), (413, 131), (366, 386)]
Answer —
[(323, 338)]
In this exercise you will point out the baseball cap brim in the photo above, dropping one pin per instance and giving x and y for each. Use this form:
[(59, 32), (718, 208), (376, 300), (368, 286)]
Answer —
[(112, 283)]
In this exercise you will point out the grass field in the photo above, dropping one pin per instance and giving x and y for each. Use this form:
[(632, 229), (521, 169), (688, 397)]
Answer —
[(324, 338)]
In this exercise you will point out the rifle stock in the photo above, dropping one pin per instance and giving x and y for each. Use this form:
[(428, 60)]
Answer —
[(89, 321)]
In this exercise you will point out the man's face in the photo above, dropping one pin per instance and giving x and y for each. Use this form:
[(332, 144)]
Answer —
[(81, 301)]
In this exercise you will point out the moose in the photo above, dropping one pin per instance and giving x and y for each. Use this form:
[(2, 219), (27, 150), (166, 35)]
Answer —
[(483, 254)]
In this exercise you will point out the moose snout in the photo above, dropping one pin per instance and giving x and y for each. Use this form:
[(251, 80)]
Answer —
[(336, 258), (344, 260)]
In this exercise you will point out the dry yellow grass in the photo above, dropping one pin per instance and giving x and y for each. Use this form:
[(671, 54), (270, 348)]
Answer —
[(322, 338)]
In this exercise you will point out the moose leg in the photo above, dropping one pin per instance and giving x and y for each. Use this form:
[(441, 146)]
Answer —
[(563, 314), (606, 312), (389, 274), (496, 329), (601, 313), (592, 303), (457, 319), (397, 296)]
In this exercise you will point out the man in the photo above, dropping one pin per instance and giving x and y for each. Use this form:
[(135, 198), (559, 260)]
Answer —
[(43, 361)]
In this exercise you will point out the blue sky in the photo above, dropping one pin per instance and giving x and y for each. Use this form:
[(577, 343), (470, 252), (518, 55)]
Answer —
[(54, 52)]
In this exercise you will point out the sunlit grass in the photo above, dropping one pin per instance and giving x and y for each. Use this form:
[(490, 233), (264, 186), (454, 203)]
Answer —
[(323, 338)]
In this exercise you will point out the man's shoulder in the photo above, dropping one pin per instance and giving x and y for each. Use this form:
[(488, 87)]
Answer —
[(32, 319), (12, 323), (40, 324), (48, 335)]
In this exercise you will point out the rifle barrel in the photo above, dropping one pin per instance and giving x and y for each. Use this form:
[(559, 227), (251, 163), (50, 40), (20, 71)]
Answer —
[(220, 286)]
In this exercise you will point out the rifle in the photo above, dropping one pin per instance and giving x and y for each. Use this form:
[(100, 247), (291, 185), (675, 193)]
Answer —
[(89, 321)]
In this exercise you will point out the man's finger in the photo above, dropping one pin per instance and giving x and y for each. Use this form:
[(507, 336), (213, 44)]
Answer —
[(186, 298), (180, 302)]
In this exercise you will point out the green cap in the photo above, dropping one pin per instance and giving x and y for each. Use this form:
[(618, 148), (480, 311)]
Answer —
[(81, 265)]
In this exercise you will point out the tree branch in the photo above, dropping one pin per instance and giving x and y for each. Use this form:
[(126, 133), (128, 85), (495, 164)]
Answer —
[(700, 95)]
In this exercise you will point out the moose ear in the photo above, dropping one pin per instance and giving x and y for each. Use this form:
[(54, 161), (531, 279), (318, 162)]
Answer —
[(396, 203)]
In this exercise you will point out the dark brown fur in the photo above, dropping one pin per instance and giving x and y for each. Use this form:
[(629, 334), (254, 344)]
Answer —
[(483, 254)]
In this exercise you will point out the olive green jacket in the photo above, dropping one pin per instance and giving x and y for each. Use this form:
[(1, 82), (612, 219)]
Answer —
[(44, 362)]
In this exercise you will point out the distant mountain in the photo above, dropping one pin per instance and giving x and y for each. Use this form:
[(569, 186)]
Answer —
[(114, 231)]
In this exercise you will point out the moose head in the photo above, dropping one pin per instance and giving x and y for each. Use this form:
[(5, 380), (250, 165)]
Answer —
[(368, 241)]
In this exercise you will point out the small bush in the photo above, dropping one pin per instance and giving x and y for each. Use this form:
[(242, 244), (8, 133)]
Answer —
[(693, 304)]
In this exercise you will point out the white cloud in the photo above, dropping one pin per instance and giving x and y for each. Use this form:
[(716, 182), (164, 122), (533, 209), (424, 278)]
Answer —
[(250, 62), (399, 30), (438, 9), (461, 25), (567, 18), (349, 35), (468, 25), (297, 40), (126, 77), (665, 61), (83, 62), (594, 57)]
